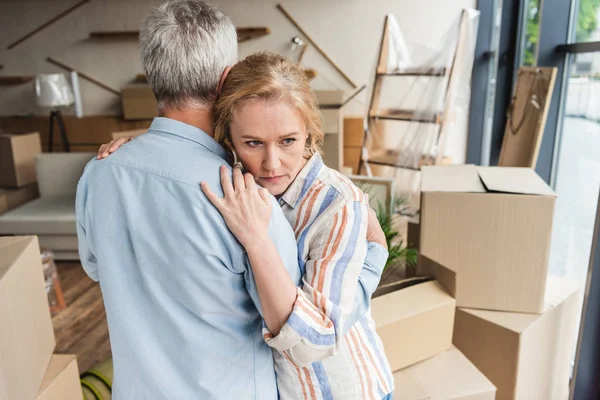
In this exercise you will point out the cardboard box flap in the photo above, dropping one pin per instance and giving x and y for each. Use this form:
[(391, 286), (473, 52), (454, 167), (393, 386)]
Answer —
[(58, 363), (449, 375), (388, 288), (11, 249), (516, 322), (451, 178), (401, 304), (514, 180)]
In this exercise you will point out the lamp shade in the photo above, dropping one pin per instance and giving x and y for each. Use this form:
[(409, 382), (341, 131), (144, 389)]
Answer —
[(53, 90)]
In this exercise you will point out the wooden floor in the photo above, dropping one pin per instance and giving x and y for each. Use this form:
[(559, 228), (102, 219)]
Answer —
[(81, 328)]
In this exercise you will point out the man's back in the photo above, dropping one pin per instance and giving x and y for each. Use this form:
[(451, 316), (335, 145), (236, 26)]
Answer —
[(180, 298)]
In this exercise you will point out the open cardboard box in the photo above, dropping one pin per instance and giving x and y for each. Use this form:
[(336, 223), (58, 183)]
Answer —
[(26, 332), (526, 356), (487, 231), (414, 319), (449, 375)]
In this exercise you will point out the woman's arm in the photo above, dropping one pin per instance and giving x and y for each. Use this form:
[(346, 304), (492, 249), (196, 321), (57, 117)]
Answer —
[(307, 324), (247, 210)]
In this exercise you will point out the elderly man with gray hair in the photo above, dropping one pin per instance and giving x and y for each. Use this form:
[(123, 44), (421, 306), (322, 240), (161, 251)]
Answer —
[(181, 302)]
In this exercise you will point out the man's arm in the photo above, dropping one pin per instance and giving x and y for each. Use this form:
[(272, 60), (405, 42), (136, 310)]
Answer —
[(86, 255)]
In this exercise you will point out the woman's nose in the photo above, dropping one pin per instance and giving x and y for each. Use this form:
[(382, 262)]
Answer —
[(272, 161)]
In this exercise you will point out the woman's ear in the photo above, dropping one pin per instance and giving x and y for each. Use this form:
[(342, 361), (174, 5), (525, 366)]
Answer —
[(222, 80)]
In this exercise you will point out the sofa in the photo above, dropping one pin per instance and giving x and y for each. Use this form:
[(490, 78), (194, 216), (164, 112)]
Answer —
[(52, 216)]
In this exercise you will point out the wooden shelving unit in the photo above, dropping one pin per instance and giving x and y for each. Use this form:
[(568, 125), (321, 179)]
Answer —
[(404, 115), (415, 72), (391, 157), (244, 34), (115, 35)]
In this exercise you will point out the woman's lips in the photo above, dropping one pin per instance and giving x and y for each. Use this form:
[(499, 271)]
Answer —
[(272, 179)]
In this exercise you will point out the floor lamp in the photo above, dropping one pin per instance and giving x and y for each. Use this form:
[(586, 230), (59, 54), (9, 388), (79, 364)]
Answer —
[(53, 91)]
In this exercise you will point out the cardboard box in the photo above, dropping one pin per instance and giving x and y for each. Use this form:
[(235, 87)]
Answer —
[(330, 98), (17, 158), (413, 233), (13, 198), (333, 154), (26, 332), (488, 231), (450, 375), (414, 323), (526, 356), (138, 102), (352, 158), (354, 131), (332, 123), (133, 133), (61, 381)]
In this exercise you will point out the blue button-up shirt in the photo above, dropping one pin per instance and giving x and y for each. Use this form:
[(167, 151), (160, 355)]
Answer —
[(181, 302)]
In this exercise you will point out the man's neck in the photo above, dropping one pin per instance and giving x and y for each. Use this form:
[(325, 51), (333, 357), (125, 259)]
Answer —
[(200, 118)]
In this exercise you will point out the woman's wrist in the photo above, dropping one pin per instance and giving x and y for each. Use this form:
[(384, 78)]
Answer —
[(257, 243)]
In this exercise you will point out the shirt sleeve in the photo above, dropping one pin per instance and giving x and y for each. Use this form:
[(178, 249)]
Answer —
[(369, 279), (86, 255), (283, 238), (315, 328)]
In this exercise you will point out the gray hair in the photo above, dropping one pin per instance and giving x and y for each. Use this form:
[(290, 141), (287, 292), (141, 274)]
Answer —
[(184, 47)]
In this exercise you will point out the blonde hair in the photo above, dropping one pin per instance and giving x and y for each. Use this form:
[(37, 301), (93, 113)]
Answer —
[(270, 77)]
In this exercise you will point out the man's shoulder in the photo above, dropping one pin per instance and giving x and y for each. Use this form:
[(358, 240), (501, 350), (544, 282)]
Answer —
[(180, 166)]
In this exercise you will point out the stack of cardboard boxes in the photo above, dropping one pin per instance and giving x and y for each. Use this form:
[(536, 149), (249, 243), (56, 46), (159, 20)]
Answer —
[(28, 369), (484, 235), (17, 169), (415, 322)]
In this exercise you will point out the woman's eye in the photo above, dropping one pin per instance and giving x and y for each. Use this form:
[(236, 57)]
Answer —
[(288, 141), (253, 143)]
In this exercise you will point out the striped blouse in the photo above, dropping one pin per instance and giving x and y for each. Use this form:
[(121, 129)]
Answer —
[(318, 356)]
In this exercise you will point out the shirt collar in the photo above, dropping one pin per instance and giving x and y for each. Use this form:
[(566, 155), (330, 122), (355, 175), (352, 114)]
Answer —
[(189, 132), (307, 176)]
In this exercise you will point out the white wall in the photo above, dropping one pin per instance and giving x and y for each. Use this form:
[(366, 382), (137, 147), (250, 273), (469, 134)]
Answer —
[(349, 30)]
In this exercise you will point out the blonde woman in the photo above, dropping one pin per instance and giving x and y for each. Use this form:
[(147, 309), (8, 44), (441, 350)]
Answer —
[(268, 117)]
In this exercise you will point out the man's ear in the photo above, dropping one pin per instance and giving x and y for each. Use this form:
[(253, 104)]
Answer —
[(222, 81)]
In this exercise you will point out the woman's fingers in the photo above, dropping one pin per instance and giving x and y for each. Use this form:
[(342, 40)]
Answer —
[(213, 198), (105, 152), (226, 182), (238, 179), (265, 196), (115, 144), (249, 181), (101, 151)]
